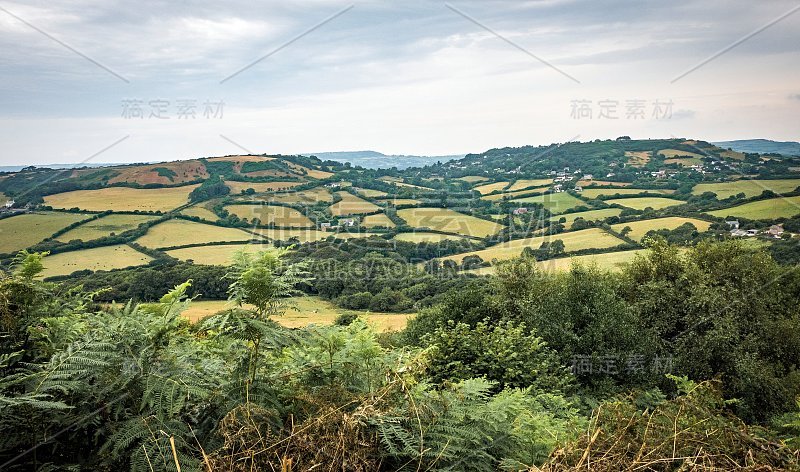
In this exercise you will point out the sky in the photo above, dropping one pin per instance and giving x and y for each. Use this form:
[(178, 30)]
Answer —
[(154, 80)]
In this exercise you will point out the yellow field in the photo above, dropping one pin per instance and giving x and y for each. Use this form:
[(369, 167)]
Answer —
[(214, 255), (749, 187), (684, 161), (99, 258), (764, 209), (307, 310), (518, 194), (448, 221), (122, 199), (369, 193), (554, 202), (21, 231), (237, 187), (489, 188), (377, 220), (608, 261), (527, 183), (640, 228), (303, 197), (638, 158), (472, 179), (200, 212), (271, 214), (591, 215), (105, 226), (423, 237), (306, 235), (402, 201), (181, 232), (313, 173), (352, 205), (573, 241), (597, 192), (656, 203), (678, 153)]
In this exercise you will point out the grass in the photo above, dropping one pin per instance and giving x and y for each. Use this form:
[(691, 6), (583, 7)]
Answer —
[(237, 187), (684, 161), (593, 238), (640, 228), (105, 226), (656, 203), (307, 310), (181, 232), (448, 221), (764, 209), (473, 179), (597, 192), (489, 188), (607, 261), (122, 199), (271, 214), (213, 255), (750, 188), (200, 212), (591, 215), (303, 197), (99, 258), (402, 201), (671, 153), (352, 205), (423, 237), (370, 193), (527, 183), (377, 220), (587, 183), (517, 194), (554, 202), (21, 231), (306, 235), (638, 158)]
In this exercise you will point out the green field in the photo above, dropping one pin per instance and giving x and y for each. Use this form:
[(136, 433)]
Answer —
[(423, 237), (99, 258), (377, 220), (472, 179), (672, 153), (448, 221), (684, 161), (213, 255), (122, 199), (591, 215), (104, 226), (555, 202), (271, 215), (21, 231), (593, 238), (640, 228), (306, 311), (200, 212), (598, 192), (352, 205), (656, 203), (303, 197), (608, 260), (518, 194), (783, 207), (750, 188), (181, 232)]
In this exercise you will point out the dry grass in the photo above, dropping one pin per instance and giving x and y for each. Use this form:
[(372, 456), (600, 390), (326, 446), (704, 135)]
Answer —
[(303, 197), (684, 161), (237, 187), (352, 205), (597, 192), (750, 188), (369, 193), (448, 221), (518, 194), (473, 179), (528, 183), (271, 214), (423, 237), (200, 212), (608, 261), (185, 171), (306, 235), (641, 203), (99, 258), (554, 202), (489, 188), (181, 232), (402, 201), (669, 153), (379, 220), (122, 199), (640, 228), (105, 226), (214, 255), (22, 231), (313, 173), (638, 158)]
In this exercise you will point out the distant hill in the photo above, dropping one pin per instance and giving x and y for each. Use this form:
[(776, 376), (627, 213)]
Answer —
[(55, 166), (377, 160), (762, 146)]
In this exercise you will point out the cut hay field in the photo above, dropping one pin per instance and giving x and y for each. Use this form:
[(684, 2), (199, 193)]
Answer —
[(238, 187), (518, 194), (21, 231), (306, 235), (424, 237), (640, 228), (380, 219), (403, 184), (593, 238), (214, 255), (489, 188), (750, 188), (104, 226), (401, 201), (783, 207), (638, 158), (672, 153), (303, 197), (527, 183), (99, 258), (313, 173), (200, 212), (608, 261), (122, 199), (181, 232), (307, 310), (271, 215), (448, 221), (591, 215), (370, 193), (166, 173), (473, 179), (554, 202), (656, 203), (598, 192), (352, 205)]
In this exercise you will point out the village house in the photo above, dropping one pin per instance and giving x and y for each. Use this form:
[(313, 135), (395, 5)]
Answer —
[(347, 222), (588, 177), (520, 211), (775, 231), (578, 188), (733, 224)]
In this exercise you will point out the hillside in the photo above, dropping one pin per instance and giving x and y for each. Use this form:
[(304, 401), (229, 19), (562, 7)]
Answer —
[(762, 146)]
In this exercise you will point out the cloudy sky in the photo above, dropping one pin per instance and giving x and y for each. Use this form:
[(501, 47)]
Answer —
[(150, 80)]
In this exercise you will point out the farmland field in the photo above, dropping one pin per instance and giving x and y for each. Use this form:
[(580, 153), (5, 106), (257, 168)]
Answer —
[(213, 255), (555, 202), (122, 199), (638, 158), (591, 215), (377, 220), (588, 183), (21, 231), (472, 179), (369, 193), (307, 310), (237, 187), (306, 235), (518, 194), (105, 226), (489, 188), (181, 232), (200, 212), (99, 258), (670, 153), (684, 161), (271, 214), (448, 221), (593, 238), (783, 207), (608, 260), (352, 205), (750, 188), (640, 228), (303, 197), (527, 183), (656, 203), (402, 201), (597, 192), (424, 237)]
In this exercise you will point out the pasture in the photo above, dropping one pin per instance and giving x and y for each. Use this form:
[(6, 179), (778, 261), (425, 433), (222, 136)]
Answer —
[(522, 184), (448, 221), (302, 197), (94, 259), (640, 228), (489, 188), (425, 237), (640, 203), (213, 255), (554, 202), (369, 193), (600, 192), (783, 207), (749, 187), (684, 161), (271, 215), (518, 194), (22, 231), (200, 212), (401, 201), (104, 226), (181, 232), (380, 219), (352, 205), (306, 235), (672, 153), (238, 187), (122, 199), (608, 261), (591, 215), (473, 179), (638, 158)]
